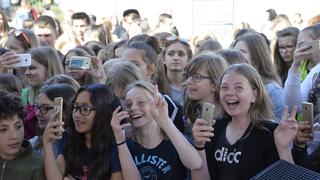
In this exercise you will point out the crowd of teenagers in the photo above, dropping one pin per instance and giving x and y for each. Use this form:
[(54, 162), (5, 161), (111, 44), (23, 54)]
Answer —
[(136, 112)]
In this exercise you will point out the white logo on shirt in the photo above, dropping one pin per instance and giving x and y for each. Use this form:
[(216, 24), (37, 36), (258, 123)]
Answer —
[(224, 156)]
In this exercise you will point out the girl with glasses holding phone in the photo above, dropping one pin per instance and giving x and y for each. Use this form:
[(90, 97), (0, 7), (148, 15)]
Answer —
[(89, 151), (45, 109), (201, 79)]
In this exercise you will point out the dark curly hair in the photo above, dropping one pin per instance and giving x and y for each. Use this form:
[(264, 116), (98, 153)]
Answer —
[(10, 105)]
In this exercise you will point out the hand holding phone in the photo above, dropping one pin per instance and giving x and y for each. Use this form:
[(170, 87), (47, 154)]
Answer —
[(207, 113), (24, 60), (307, 115), (80, 62)]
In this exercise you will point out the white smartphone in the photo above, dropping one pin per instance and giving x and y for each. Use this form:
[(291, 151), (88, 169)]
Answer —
[(207, 113), (24, 60), (307, 114), (80, 62)]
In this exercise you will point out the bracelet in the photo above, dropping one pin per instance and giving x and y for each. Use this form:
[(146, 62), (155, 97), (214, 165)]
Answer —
[(119, 144), (199, 148)]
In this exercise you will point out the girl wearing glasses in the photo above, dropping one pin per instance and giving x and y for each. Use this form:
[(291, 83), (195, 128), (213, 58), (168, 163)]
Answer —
[(157, 148), (201, 77), (45, 109), (284, 49), (245, 140), (89, 151), (176, 54)]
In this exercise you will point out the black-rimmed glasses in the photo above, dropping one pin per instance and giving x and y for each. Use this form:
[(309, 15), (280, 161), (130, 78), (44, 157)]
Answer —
[(43, 108), (195, 77), (84, 110)]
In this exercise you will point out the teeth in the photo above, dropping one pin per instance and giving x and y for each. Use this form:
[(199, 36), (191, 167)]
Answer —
[(136, 116)]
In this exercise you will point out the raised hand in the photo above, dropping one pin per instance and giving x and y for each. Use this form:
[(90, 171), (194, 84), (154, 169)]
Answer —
[(97, 69), (287, 129), (117, 126), (7, 60), (201, 132), (53, 130), (300, 53), (159, 108)]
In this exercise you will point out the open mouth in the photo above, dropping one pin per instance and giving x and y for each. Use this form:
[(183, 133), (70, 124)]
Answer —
[(232, 102), (136, 116)]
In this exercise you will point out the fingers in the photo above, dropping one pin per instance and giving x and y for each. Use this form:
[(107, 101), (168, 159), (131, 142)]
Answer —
[(284, 113), (293, 112)]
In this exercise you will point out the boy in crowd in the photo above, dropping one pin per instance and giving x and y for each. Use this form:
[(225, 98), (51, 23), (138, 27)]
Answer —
[(17, 158)]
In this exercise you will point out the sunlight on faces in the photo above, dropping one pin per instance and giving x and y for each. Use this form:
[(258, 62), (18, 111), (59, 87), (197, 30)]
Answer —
[(138, 106), (11, 137), (79, 26), (43, 119), (305, 37), (200, 91), (176, 57), (36, 74), (286, 47), (241, 46), (83, 124), (77, 74), (14, 45), (46, 35), (135, 56), (236, 94)]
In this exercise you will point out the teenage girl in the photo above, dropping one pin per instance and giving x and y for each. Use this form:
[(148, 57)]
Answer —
[(244, 141), (157, 148), (89, 151)]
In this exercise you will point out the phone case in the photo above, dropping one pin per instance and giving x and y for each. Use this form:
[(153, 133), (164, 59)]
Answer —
[(24, 60), (307, 114), (207, 113), (58, 107)]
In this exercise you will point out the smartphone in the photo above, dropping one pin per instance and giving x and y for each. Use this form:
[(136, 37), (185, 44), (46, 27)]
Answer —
[(58, 107), (207, 113), (307, 114), (24, 60), (80, 62)]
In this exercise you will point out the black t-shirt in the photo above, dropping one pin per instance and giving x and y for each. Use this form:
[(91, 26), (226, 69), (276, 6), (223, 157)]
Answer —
[(159, 163), (253, 152)]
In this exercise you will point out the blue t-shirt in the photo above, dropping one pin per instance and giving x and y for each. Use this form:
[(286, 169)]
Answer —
[(87, 155), (161, 162)]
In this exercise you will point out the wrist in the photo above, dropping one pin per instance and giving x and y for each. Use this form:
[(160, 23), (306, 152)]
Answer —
[(199, 148), (121, 143)]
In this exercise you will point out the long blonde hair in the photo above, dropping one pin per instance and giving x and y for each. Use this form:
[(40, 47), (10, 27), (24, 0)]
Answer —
[(261, 109)]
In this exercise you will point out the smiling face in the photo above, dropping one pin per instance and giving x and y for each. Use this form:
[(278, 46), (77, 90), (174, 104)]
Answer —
[(11, 137), (200, 91), (36, 74), (176, 57), (83, 124), (236, 95), (138, 106), (43, 118)]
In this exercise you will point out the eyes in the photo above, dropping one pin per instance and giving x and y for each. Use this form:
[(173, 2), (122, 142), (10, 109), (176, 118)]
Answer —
[(225, 88), (17, 127), (140, 103), (180, 53)]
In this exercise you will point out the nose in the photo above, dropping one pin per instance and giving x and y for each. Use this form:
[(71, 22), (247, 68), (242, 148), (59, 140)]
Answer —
[(13, 134), (27, 72)]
